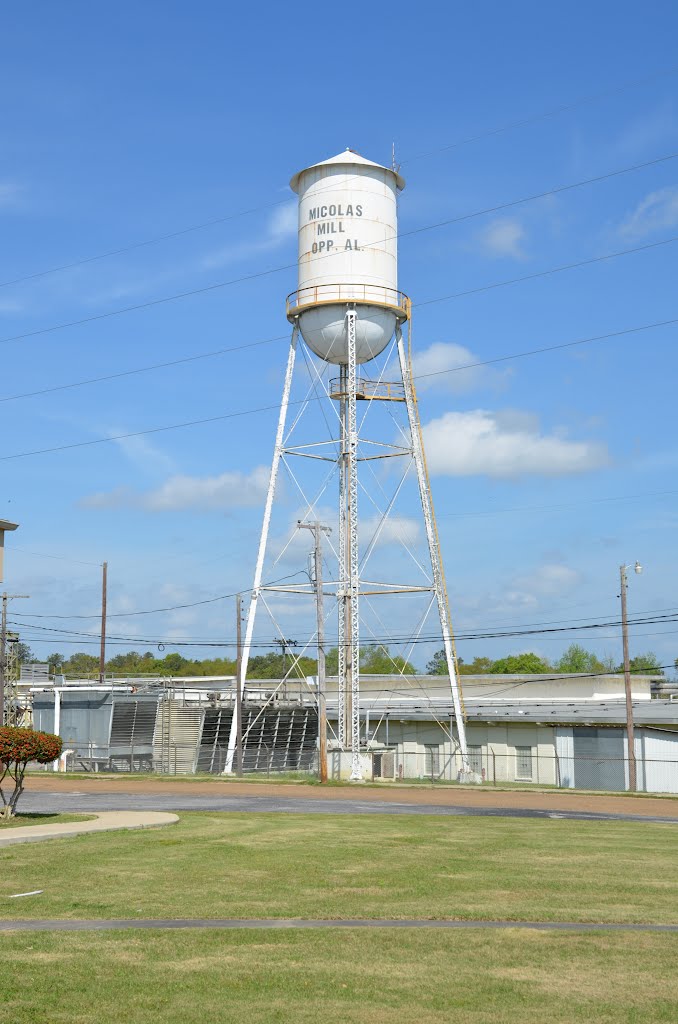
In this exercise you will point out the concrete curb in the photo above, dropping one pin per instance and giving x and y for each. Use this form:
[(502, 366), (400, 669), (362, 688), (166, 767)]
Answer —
[(105, 821), (66, 925)]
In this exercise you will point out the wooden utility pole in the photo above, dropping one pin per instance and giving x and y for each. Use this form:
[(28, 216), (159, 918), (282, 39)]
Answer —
[(102, 650), (3, 651), (627, 681), (317, 529), (238, 686)]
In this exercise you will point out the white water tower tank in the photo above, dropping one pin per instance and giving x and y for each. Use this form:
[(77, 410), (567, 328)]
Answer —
[(348, 254)]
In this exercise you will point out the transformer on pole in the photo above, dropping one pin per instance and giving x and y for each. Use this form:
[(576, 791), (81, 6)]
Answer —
[(348, 310)]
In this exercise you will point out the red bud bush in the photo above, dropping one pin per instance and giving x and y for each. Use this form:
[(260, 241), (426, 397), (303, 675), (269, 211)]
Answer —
[(17, 748)]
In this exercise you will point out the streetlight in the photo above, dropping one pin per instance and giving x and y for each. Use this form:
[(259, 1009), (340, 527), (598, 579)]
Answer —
[(5, 527), (637, 568)]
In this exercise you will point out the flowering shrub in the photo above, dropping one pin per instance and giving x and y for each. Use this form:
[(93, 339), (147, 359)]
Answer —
[(17, 748)]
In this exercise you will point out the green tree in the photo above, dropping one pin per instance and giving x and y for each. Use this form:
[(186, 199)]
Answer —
[(645, 664), (377, 660), (270, 666), (24, 653), (480, 666), (577, 659), (81, 664), (437, 666), (172, 664), (55, 662), (520, 664)]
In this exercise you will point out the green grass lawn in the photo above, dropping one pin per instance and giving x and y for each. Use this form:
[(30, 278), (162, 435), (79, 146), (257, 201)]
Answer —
[(341, 866), (351, 977), (21, 820)]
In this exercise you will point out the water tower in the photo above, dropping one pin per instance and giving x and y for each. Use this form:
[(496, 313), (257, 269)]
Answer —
[(348, 309)]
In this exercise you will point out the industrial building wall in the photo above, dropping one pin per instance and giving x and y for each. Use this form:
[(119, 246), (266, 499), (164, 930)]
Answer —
[(84, 720), (505, 752), (591, 758), (657, 760)]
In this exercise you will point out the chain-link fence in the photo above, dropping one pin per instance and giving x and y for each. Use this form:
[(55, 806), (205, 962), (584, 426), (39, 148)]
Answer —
[(172, 758), (525, 766)]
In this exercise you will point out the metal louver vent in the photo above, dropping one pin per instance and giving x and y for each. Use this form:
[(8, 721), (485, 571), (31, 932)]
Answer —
[(133, 723), (274, 739)]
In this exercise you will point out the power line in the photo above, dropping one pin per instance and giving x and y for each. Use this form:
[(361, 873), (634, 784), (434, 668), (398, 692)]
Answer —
[(60, 558), (550, 348), (275, 407), (174, 607), (140, 245), (146, 369), (554, 508), (532, 198), (546, 273), (281, 337), (637, 620), (552, 112), (211, 222), (660, 614), (205, 289)]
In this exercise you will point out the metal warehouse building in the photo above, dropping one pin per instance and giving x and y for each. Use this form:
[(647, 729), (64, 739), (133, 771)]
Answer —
[(567, 732)]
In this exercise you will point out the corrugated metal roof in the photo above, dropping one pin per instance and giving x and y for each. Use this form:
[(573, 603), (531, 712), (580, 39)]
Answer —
[(645, 712)]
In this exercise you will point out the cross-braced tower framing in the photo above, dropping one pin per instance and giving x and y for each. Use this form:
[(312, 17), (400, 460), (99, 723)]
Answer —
[(348, 310)]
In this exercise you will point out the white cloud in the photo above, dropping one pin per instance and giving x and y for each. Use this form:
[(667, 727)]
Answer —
[(395, 530), (284, 222), (282, 225), (143, 453), (226, 491), (503, 236), (436, 367), (549, 580), (505, 444), (10, 194), (658, 211)]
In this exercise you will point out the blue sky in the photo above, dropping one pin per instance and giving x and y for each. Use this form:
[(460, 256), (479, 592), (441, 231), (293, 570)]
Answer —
[(126, 122)]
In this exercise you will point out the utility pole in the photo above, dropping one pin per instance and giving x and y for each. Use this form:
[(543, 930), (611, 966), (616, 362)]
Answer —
[(238, 686), (102, 651), (3, 650), (627, 678), (283, 644), (317, 529)]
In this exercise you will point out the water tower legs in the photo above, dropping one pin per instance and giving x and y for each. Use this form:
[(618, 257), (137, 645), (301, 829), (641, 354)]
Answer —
[(352, 560), (439, 585), (263, 540)]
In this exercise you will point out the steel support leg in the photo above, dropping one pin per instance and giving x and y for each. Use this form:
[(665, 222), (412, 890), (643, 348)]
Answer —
[(263, 540), (344, 594), (352, 546), (433, 545)]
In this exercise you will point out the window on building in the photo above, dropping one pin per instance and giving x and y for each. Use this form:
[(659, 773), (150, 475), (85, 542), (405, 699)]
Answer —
[(475, 757), (524, 763), (432, 759)]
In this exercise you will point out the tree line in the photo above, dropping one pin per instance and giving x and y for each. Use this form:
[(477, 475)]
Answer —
[(375, 659), (575, 659)]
